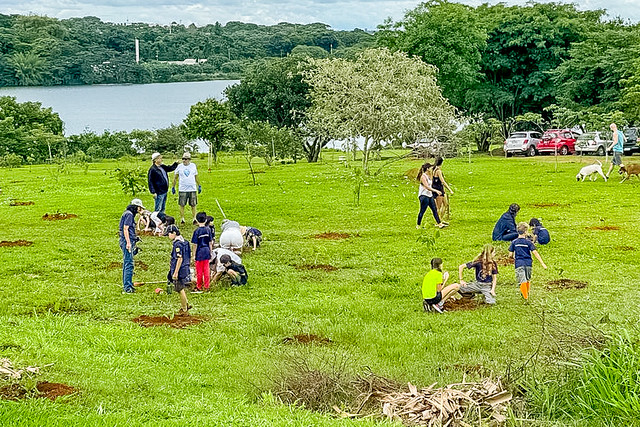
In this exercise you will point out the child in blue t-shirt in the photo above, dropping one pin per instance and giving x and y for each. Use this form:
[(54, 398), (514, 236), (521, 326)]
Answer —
[(521, 249), (236, 271), (179, 271), (540, 234), (202, 240)]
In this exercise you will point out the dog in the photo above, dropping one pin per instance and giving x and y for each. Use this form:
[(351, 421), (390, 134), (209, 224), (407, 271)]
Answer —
[(629, 170), (591, 171)]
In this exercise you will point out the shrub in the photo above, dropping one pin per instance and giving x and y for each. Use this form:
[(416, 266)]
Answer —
[(10, 161), (132, 179)]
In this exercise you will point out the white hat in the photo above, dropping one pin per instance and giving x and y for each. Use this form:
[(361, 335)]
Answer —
[(137, 202), (186, 155), (155, 156)]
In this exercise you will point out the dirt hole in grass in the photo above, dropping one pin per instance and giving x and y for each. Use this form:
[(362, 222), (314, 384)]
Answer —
[(58, 216), (44, 389), (179, 321), (138, 264), (462, 304), (5, 243), (307, 339), (625, 248), (566, 284), (546, 205), (332, 236), (19, 203), (324, 267), (603, 227)]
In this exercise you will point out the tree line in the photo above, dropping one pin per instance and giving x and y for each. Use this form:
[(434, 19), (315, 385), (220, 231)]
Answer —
[(38, 50)]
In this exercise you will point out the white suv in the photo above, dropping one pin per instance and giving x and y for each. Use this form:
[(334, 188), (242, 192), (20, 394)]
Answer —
[(522, 143)]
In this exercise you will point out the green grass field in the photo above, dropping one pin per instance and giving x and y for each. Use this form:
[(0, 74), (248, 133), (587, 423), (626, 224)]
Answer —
[(60, 304)]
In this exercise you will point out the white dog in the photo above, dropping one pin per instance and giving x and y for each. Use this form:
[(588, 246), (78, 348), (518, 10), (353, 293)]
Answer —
[(590, 171)]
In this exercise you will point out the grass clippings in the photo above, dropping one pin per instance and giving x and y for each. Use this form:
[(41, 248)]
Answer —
[(58, 216), (6, 243), (19, 203), (307, 339), (625, 248), (179, 321), (332, 236), (566, 284), (44, 389), (603, 227), (462, 304), (137, 263), (324, 267)]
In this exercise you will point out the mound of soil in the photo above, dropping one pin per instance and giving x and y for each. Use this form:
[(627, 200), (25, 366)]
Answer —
[(179, 321), (19, 203), (566, 284), (325, 267), (307, 339), (332, 236), (137, 263), (58, 216), (603, 227), (16, 243), (505, 261), (462, 304), (625, 248), (44, 389), (145, 233)]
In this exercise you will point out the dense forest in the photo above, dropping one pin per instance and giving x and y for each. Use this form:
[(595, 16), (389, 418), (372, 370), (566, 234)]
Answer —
[(37, 50)]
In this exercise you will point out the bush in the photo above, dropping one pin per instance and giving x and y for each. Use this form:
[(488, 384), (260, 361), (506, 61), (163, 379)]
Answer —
[(132, 179), (10, 161)]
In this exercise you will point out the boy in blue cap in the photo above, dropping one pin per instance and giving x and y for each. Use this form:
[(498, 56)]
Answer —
[(179, 272)]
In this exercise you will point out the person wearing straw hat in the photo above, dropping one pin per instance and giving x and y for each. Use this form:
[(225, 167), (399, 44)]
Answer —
[(128, 239), (159, 181)]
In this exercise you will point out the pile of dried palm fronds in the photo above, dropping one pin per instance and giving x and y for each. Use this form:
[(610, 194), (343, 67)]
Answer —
[(7, 370), (449, 406)]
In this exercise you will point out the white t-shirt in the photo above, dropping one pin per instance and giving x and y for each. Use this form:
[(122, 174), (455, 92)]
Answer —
[(423, 191), (187, 176), (217, 253)]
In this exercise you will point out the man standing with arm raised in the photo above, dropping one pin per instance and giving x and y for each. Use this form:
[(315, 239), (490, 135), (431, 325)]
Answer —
[(159, 181)]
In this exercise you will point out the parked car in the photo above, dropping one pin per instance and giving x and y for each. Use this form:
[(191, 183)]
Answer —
[(522, 143), (593, 143), (562, 140), (632, 139)]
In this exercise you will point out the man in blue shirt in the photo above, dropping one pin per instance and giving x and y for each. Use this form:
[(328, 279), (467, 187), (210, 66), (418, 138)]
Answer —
[(128, 239), (618, 147)]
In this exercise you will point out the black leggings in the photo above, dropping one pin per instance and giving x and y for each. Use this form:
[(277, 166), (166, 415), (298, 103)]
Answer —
[(430, 202)]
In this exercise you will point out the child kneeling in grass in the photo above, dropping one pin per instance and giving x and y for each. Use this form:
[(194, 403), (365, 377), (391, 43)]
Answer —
[(234, 270), (434, 294), (486, 275), (179, 272), (522, 248)]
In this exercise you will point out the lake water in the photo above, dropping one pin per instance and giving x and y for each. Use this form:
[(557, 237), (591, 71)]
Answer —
[(120, 107)]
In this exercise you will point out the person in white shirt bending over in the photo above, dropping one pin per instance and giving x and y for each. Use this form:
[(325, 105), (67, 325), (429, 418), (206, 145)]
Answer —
[(189, 186)]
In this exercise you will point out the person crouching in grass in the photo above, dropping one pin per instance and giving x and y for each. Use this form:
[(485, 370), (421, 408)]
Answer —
[(234, 270), (179, 272), (486, 275), (434, 294), (522, 248)]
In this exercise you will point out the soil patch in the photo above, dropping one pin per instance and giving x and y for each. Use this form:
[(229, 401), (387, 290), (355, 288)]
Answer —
[(625, 248), (19, 203), (44, 389), (462, 304), (179, 321), (307, 339), (603, 227), (566, 284), (16, 243), (325, 267), (58, 216), (546, 205), (332, 236), (137, 263), (504, 261)]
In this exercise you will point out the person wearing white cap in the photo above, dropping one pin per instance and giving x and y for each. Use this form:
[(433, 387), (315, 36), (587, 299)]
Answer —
[(159, 181), (189, 186), (128, 241)]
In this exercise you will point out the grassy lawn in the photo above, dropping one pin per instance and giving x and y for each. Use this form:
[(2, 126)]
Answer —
[(61, 303)]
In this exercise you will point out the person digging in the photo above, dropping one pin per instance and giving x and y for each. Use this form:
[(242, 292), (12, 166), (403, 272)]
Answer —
[(179, 271)]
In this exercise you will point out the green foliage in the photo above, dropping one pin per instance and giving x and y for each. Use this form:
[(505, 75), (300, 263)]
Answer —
[(168, 140), (210, 121), (132, 179), (10, 161), (269, 142)]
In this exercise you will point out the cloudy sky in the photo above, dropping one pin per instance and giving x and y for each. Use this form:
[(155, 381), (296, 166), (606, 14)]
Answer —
[(339, 14)]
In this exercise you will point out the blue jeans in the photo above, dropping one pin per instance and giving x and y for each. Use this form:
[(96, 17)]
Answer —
[(161, 202), (127, 267)]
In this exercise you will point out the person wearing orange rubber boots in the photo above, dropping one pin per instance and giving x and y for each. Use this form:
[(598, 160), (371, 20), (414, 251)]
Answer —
[(521, 249)]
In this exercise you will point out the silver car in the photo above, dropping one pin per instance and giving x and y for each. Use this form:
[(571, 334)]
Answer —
[(593, 143), (522, 143)]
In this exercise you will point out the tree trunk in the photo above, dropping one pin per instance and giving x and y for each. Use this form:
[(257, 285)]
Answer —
[(313, 149), (365, 156)]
